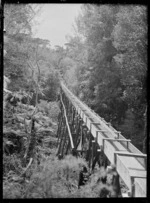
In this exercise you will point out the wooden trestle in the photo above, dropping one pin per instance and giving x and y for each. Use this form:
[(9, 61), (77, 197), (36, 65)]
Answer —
[(84, 133)]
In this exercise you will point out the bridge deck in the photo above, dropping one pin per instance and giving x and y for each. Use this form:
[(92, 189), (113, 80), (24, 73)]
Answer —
[(131, 166)]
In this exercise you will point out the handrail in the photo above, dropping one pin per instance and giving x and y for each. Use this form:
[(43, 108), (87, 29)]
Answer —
[(68, 128), (114, 142)]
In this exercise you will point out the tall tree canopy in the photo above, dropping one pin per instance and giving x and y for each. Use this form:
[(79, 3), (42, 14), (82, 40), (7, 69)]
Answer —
[(110, 51), (29, 61)]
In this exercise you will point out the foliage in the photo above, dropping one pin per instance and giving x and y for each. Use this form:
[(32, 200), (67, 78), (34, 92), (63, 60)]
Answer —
[(105, 64), (94, 187), (28, 70), (16, 141), (28, 61), (51, 87), (110, 52), (52, 178), (47, 176), (57, 178), (19, 134)]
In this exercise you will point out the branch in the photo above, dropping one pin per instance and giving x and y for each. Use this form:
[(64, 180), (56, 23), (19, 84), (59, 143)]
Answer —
[(30, 162)]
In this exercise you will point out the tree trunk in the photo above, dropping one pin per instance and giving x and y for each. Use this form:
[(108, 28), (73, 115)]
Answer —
[(145, 132)]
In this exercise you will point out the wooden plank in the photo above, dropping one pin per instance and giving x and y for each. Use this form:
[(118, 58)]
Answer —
[(140, 187), (116, 140), (123, 172), (109, 150), (135, 155), (137, 173)]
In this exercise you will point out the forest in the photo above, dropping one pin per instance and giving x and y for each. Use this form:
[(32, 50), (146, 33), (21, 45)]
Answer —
[(104, 63)]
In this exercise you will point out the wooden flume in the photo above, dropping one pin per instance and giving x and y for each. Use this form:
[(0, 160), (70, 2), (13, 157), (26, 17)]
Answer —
[(83, 133)]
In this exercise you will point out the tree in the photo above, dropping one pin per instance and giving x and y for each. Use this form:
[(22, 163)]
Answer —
[(130, 34), (19, 17), (112, 76)]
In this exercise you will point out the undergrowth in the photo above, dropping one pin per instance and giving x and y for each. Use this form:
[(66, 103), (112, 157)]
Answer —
[(54, 178), (46, 176)]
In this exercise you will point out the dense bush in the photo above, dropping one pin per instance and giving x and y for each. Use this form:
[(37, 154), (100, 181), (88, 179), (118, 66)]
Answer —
[(110, 53), (56, 178), (52, 178), (50, 108)]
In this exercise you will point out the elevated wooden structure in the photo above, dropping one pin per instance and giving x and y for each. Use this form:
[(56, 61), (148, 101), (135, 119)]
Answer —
[(84, 133)]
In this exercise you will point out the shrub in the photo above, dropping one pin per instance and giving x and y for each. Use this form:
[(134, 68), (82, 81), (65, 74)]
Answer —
[(56, 178), (51, 109), (94, 188)]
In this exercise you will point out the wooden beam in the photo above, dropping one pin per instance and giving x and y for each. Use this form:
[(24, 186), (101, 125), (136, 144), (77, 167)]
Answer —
[(93, 123), (68, 128), (116, 140), (128, 154)]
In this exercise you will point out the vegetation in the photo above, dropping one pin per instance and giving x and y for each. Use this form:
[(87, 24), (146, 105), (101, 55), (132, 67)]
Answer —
[(104, 64), (109, 51), (30, 108)]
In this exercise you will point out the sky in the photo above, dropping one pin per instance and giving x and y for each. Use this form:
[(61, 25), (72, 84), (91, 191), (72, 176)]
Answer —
[(56, 22)]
